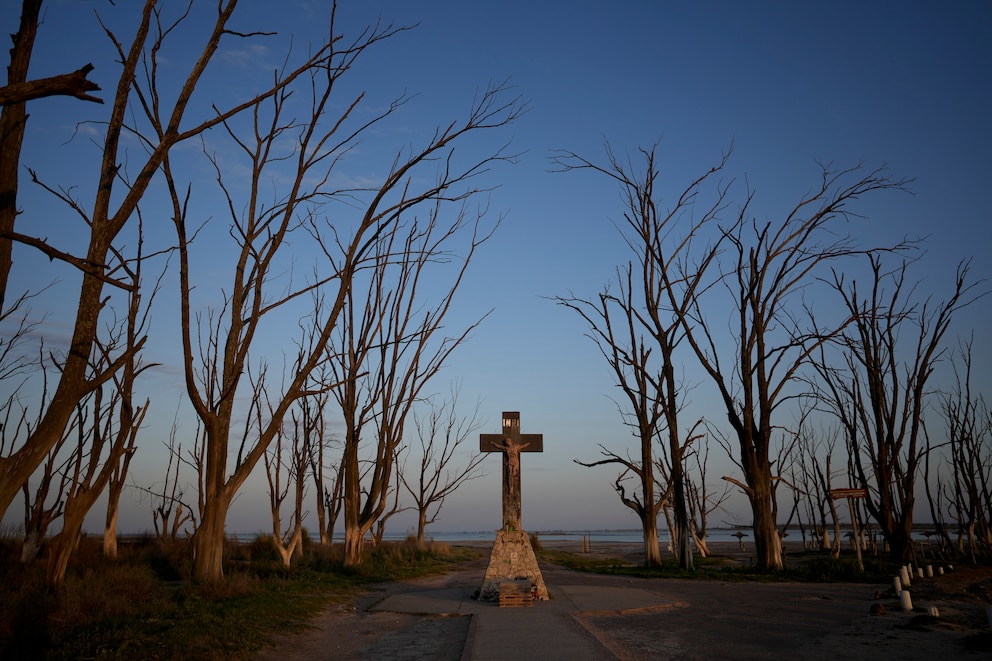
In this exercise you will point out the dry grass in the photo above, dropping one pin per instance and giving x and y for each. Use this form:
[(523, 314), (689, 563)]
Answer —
[(145, 605)]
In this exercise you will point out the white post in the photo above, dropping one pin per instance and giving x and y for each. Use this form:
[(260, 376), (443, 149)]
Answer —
[(929, 571), (904, 575), (897, 584), (907, 602), (919, 572)]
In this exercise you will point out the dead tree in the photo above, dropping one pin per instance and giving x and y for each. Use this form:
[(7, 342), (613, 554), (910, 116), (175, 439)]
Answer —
[(312, 421), (638, 331), (968, 490), (159, 122), (879, 395), (107, 428), (263, 244), (815, 475), (766, 268), (439, 473), (101, 447), (396, 492), (169, 512), (390, 345), (285, 470), (701, 501), (40, 508)]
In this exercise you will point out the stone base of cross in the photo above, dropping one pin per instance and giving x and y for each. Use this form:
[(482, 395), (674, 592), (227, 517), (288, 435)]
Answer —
[(512, 559)]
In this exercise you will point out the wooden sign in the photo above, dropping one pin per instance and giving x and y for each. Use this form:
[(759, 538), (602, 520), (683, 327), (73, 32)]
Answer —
[(838, 494)]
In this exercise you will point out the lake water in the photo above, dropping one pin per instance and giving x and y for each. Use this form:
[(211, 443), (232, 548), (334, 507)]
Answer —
[(632, 535)]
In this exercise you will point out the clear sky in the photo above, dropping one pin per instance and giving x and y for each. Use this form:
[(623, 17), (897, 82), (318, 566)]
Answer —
[(905, 84)]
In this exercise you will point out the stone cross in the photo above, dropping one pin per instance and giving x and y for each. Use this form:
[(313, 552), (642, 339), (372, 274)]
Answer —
[(511, 443)]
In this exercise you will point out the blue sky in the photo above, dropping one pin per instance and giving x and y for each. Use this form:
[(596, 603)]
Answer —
[(907, 85)]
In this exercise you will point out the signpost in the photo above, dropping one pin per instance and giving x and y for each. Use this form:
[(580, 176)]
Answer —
[(850, 495)]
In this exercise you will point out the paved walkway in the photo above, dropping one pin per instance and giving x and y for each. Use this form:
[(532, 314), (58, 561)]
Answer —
[(601, 617), (546, 630)]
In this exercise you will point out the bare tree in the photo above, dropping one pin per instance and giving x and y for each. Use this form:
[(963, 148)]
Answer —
[(91, 470), (439, 473), (968, 491), (285, 475), (638, 331), (312, 423), (766, 268), (396, 492), (263, 232), (116, 482), (40, 509), (390, 345), (814, 474), (117, 193), (170, 513), (630, 358), (107, 428), (880, 395), (700, 499)]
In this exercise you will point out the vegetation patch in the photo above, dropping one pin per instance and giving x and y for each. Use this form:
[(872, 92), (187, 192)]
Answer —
[(136, 608), (814, 568)]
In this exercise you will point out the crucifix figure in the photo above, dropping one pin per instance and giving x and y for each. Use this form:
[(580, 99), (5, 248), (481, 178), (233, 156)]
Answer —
[(511, 443)]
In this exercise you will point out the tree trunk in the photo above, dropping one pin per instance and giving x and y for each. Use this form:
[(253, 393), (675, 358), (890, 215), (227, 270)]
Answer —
[(62, 545), (208, 541), (421, 526), (287, 551), (32, 544), (767, 544), (701, 546), (353, 532), (900, 545), (322, 517), (353, 543), (110, 530), (684, 538), (652, 552)]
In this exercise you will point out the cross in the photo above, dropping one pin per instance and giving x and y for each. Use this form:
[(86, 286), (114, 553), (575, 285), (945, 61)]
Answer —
[(511, 443)]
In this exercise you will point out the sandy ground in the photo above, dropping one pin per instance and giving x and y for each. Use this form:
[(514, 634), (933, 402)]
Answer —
[(704, 619)]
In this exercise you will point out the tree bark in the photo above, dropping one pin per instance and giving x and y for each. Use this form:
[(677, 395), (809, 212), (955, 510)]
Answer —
[(209, 538), (110, 532), (767, 543), (61, 547), (652, 550)]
